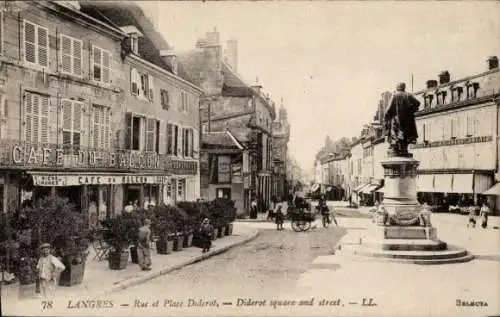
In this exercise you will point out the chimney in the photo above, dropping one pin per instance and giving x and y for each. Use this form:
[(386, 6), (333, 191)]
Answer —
[(444, 77), (232, 54), (257, 88), (170, 59), (492, 62), (431, 83)]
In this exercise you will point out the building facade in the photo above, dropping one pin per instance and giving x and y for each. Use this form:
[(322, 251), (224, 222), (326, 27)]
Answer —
[(280, 138), (458, 125), (229, 104), (66, 101)]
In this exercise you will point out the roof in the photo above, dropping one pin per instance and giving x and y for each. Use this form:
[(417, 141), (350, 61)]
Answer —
[(222, 139), (193, 63), (120, 14)]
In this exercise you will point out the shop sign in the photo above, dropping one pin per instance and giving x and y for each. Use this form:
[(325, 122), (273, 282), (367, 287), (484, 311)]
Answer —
[(59, 157), (95, 179)]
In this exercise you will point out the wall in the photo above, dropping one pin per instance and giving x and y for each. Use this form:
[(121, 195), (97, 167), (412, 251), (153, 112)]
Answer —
[(237, 194), (379, 155)]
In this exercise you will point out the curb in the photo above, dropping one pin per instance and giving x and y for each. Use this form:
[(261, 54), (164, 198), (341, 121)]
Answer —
[(253, 220), (145, 278)]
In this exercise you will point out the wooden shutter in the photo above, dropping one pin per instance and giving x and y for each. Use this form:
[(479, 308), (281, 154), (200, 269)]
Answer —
[(43, 46), (176, 140), (196, 149), (44, 119), (67, 121), (77, 57), (128, 137), (106, 65), (95, 126), (151, 88), (77, 123), (28, 117), (66, 50), (29, 42), (134, 81), (107, 128), (161, 138), (150, 134), (1, 32), (169, 139)]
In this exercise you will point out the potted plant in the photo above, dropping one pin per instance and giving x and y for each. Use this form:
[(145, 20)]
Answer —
[(122, 232), (229, 214), (55, 220), (193, 213), (165, 228), (180, 219)]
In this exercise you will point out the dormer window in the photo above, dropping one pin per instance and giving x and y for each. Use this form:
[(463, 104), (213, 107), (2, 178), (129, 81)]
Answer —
[(456, 94), (472, 89), (133, 37), (428, 101)]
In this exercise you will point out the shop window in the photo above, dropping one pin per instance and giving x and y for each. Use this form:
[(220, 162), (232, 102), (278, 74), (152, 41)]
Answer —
[(101, 65), (36, 44), (101, 130), (223, 193), (71, 55), (151, 195), (181, 190), (36, 118)]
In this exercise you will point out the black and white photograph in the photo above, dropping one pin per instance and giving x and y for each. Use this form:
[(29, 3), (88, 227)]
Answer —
[(250, 158)]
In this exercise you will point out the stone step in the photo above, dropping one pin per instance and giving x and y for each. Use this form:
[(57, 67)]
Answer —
[(431, 261), (405, 244), (364, 250)]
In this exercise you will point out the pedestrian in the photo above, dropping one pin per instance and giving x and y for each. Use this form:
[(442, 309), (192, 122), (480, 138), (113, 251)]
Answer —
[(206, 231), (253, 209), (472, 217), (48, 268), (485, 210), (143, 246), (129, 207), (136, 204), (279, 217)]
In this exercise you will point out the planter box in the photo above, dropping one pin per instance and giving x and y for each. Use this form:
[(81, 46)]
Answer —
[(221, 232), (229, 229), (133, 254), (72, 274), (118, 260), (216, 234), (188, 240), (178, 242), (164, 246)]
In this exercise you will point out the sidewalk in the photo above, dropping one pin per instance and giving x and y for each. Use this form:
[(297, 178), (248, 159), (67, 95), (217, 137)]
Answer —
[(100, 280)]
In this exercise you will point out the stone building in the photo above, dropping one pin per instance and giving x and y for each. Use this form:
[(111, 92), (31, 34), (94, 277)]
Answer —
[(230, 104), (281, 136), (458, 125), (160, 114), (65, 95)]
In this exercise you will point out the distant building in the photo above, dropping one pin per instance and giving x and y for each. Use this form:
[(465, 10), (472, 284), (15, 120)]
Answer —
[(458, 148)]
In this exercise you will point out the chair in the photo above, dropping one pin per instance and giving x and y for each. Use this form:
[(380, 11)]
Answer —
[(99, 244)]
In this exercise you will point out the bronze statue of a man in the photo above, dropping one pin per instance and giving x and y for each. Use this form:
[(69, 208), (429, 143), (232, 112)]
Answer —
[(400, 127)]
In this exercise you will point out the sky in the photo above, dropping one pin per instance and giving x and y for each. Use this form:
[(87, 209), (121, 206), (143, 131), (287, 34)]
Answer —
[(330, 61)]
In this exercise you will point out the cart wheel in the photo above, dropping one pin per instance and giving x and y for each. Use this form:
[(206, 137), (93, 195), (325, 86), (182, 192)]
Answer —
[(304, 225), (295, 226)]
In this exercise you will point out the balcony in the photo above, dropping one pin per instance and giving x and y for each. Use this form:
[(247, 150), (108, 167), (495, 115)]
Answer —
[(18, 154)]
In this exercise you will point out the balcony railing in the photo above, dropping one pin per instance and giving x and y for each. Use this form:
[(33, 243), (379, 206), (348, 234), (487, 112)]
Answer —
[(15, 153)]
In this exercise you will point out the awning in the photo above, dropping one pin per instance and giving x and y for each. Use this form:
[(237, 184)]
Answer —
[(369, 189), (49, 179), (495, 190), (315, 187), (425, 183), (380, 190), (482, 182), (462, 183), (360, 187), (442, 183)]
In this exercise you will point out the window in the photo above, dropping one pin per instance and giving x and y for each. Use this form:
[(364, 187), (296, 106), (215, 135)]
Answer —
[(470, 126), (101, 62), (223, 193), (453, 128), (143, 133), (36, 118), (456, 94), (153, 132), (184, 102), (165, 99), (134, 43), (1, 32), (71, 55), (181, 190), (204, 127), (71, 123), (101, 127), (172, 139), (428, 100), (36, 44), (224, 169), (135, 126), (472, 89)]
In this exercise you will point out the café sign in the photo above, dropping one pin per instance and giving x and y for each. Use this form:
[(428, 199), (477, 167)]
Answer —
[(59, 157), (59, 179)]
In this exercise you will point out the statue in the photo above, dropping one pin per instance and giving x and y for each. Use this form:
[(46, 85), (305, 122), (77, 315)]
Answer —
[(400, 127)]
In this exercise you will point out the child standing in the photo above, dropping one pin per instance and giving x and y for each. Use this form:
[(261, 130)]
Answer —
[(472, 217), (49, 267), (279, 218)]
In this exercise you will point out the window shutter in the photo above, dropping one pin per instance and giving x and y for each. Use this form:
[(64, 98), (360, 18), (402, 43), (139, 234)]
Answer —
[(44, 119), (151, 88), (29, 42), (134, 81), (77, 123), (67, 121), (36, 118), (110, 68), (176, 140), (43, 46), (91, 61), (1, 32), (66, 54), (28, 119), (191, 143), (96, 64), (107, 128), (128, 137), (77, 57), (150, 134), (106, 63), (196, 149), (161, 138)]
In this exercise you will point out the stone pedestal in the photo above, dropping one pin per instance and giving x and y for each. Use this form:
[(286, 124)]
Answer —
[(403, 229)]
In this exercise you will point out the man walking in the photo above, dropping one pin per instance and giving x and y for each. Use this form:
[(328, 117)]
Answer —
[(143, 251)]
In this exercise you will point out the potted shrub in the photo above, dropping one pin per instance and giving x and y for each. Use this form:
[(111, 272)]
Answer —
[(165, 228), (180, 219), (122, 232), (229, 214), (193, 213), (55, 220)]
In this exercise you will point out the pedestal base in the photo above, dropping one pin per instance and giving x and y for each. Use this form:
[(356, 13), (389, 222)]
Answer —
[(398, 232)]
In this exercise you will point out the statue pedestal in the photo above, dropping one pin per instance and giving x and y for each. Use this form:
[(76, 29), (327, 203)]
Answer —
[(403, 231)]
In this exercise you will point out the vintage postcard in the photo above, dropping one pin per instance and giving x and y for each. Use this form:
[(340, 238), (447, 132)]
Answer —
[(249, 158)]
